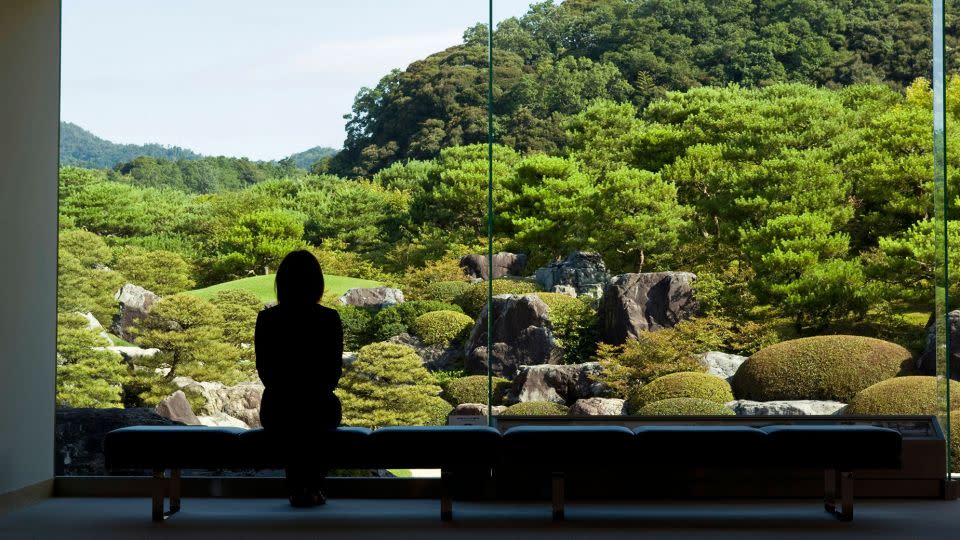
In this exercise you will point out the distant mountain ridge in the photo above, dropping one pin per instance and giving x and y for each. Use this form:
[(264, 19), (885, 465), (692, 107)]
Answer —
[(79, 147)]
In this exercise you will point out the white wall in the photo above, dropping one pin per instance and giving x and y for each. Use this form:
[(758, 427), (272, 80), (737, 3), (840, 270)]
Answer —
[(29, 132)]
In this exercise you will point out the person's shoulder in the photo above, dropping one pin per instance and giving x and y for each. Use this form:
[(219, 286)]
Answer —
[(268, 312), (326, 312)]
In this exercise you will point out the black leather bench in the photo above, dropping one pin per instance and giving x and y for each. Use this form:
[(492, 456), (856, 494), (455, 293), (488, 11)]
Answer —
[(839, 451)]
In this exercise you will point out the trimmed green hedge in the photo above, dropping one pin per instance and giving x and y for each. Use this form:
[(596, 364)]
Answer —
[(685, 384), (916, 395), (820, 367), (445, 291), (955, 440), (684, 407), (442, 327), (575, 326), (473, 389), (357, 324), (398, 319), (475, 298), (536, 408)]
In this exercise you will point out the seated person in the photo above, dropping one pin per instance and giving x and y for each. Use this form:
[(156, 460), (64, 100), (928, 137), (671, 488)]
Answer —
[(299, 349)]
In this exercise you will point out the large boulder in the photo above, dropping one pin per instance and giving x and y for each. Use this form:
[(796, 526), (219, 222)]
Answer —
[(177, 408), (239, 402), (721, 364), (78, 436), (475, 409), (556, 383), (927, 361), (582, 272), (522, 335), (504, 264), (134, 304), (800, 407), (435, 357), (597, 406), (372, 297), (635, 303)]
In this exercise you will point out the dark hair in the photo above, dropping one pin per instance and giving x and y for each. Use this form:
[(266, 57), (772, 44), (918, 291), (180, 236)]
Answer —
[(299, 279)]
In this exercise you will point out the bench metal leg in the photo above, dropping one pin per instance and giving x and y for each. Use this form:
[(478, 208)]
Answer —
[(174, 491), (158, 486), (446, 500), (558, 496), (838, 484), (830, 490)]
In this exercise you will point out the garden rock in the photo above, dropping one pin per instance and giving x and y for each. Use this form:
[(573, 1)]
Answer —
[(522, 334), (635, 303), (563, 384), (94, 324), (927, 361), (223, 420), (721, 364), (241, 401), (78, 436), (476, 409), (584, 271), (434, 357), (177, 408), (131, 354), (135, 302), (806, 407), (504, 264), (372, 297), (597, 406), (348, 358)]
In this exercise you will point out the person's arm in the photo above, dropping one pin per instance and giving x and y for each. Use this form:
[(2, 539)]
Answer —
[(333, 366), (263, 349)]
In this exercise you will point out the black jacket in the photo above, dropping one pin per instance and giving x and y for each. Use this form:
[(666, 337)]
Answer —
[(299, 352)]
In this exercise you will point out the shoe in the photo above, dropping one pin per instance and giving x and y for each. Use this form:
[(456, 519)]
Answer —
[(303, 499), (319, 498)]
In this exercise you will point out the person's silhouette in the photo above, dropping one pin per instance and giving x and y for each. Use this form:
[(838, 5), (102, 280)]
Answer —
[(299, 349)]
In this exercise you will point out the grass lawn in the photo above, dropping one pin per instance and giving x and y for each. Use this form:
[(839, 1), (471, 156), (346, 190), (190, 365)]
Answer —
[(262, 286)]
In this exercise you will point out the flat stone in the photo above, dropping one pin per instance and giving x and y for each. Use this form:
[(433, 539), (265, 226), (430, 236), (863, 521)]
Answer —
[(177, 408), (804, 407), (721, 364), (598, 406)]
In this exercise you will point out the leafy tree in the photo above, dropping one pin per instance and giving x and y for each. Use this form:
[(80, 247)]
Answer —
[(162, 272), (260, 240), (388, 386), (189, 333), (239, 309), (87, 375)]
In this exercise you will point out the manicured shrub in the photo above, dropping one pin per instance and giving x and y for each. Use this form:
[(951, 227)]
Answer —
[(820, 367), (473, 389), (388, 386), (913, 395), (357, 324), (690, 384), (442, 327), (955, 441), (475, 298), (535, 408), (575, 326), (415, 280), (445, 291), (684, 407), (394, 320)]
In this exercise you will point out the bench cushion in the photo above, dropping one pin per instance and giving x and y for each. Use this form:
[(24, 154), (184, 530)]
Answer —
[(555, 447), (431, 447), (702, 446), (182, 447), (344, 447), (846, 447)]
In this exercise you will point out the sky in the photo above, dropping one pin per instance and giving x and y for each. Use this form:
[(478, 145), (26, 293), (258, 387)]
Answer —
[(248, 78)]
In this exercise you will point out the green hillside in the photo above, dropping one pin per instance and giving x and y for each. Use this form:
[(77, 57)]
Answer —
[(262, 286)]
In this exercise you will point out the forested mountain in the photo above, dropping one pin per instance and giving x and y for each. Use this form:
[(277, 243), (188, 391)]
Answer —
[(551, 62), (307, 158), (81, 148)]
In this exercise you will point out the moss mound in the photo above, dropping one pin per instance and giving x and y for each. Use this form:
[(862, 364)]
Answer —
[(902, 396), (395, 320), (686, 384), (955, 440), (442, 327), (473, 299), (445, 291), (820, 367), (536, 408), (684, 407), (473, 389)]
